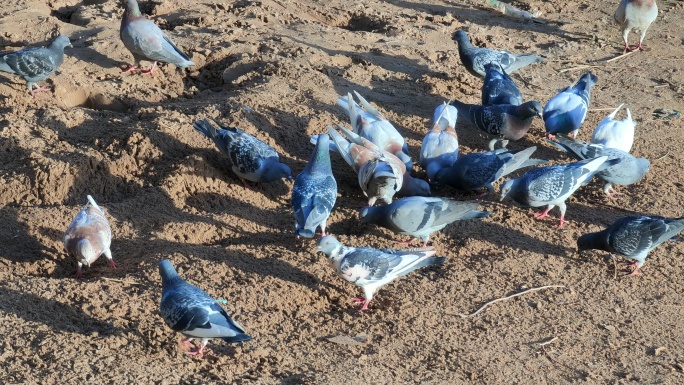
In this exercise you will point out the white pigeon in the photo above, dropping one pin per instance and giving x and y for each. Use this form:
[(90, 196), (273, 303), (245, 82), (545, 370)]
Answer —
[(635, 14), (89, 236), (612, 133)]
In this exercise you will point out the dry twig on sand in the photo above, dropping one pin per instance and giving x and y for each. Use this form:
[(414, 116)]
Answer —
[(120, 281), (508, 297)]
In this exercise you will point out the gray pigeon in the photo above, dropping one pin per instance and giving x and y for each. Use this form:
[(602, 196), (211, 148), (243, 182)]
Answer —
[(89, 236), (35, 64), (474, 59), (191, 311), (440, 145), (628, 171), (373, 268), (635, 14), (314, 192), (252, 159), (632, 237), (566, 111), (482, 169), (499, 88), (420, 216), (147, 42), (550, 186)]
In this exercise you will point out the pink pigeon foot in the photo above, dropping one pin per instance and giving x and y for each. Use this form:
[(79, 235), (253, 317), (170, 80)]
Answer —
[(197, 352), (149, 71), (112, 264), (79, 273), (39, 89), (130, 68), (361, 300), (247, 186), (543, 215), (562, 221)]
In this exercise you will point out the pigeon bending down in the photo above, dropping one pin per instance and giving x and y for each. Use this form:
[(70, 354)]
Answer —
[(314, 192), (420, 216), (628, 171), (147, 42), (252, 159), (615, 133), (632, 237), (474, 59), (635, 14), (503, 121), (192, 312), (89, 236), (550, 186), (440, 145), (566, 112), (369, 123), (35, 64), (499, 88), (373, 268)]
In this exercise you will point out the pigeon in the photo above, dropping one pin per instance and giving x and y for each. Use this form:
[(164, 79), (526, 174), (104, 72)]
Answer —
[(369, 123), (35, 64), (420, 216), (147, 42), (550, 186), (565, 112), (474, 59), (482, 169), (635, 14), (314, 192), (440, 145), (628, 171), (615, 133), (632, 237), (506, 122), (252, 159), (89, 236), (373, 268), (192, 312), (499, 88)]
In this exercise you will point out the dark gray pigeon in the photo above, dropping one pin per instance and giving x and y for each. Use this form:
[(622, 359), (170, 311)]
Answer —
[(482, 169), (633, 237), (499, 88), (191, 311), (314, 192), (474, 58), (420, 216), (628, 171), (252, 159), (35, 64), (147, 42), (373, 268)]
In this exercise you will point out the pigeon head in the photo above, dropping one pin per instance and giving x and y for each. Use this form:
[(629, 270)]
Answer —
[(588, 242), (132, 9), (589, 79), (167, 272), (415, 187), (643, 164), (462, 38), (60, 42), (506, 188), (530, 109), (328, 245), (368, 214), (276, 171)]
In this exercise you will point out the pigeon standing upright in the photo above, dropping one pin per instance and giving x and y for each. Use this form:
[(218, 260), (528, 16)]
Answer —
[(373, 268), (635, 14), (191, 311), (633, 237), (615, 133), (252, 159), (566, 112), (314, 192), (35, 64), (474, 58), (147, 42), (440, 145), (89, 236), (499, 88)]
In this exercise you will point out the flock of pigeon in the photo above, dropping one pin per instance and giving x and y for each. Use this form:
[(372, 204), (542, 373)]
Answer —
[(379, 155)]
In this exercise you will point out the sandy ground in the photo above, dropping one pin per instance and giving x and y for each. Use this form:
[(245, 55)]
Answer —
[(275, 68)]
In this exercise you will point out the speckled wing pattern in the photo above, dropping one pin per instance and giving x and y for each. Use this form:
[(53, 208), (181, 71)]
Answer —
[(489, 119), (313, 198), (636, 236), (477, 170), (550, 183), (484, 56), (33, 64), (247, 153), (364, 265)]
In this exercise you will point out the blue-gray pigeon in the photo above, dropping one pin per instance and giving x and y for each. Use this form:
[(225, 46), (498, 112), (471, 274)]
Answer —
[(565, 112), (440, 145), (35, 64), (89, 236), (499, 88), (474, 58)]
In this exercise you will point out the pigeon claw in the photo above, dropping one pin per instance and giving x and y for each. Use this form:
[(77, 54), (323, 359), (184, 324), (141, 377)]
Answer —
[(79, 273), (112, 264), (361, 300), (39, 89), (543, 215)]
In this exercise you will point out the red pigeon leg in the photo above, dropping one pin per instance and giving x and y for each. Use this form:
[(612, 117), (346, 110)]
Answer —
[(130, 68), (544, 214), (149, 71)]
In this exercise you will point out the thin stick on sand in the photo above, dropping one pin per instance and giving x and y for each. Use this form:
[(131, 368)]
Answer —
[(508, 297), (624, 55), (120, 281)]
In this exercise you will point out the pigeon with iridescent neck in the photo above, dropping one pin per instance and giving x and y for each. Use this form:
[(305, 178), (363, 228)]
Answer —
[(89, 236), (474, 59), (35, 64)]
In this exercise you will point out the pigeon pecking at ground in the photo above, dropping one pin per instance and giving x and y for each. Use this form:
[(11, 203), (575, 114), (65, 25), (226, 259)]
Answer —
[(565, 112), (615, 133), (440, 145), (373, 268), (252, 159), (89, 236), (635, 14), (192, 312), (35, 64), (499, 88), (147, 42), (314, 192), (474, 59), (632, 237)]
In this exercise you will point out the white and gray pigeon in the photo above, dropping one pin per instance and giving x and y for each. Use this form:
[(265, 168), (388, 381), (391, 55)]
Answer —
[(89, 236), (251, 159), (35, 64), (420, 216), (147, 42), (374, 268), (565, 112), (482, 169), (440, 145), (194, 313), (635, 14), (499, 88), (474, 58), (633, 237), (550, 186), (314, 192), (615, 133), (628, 171)]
